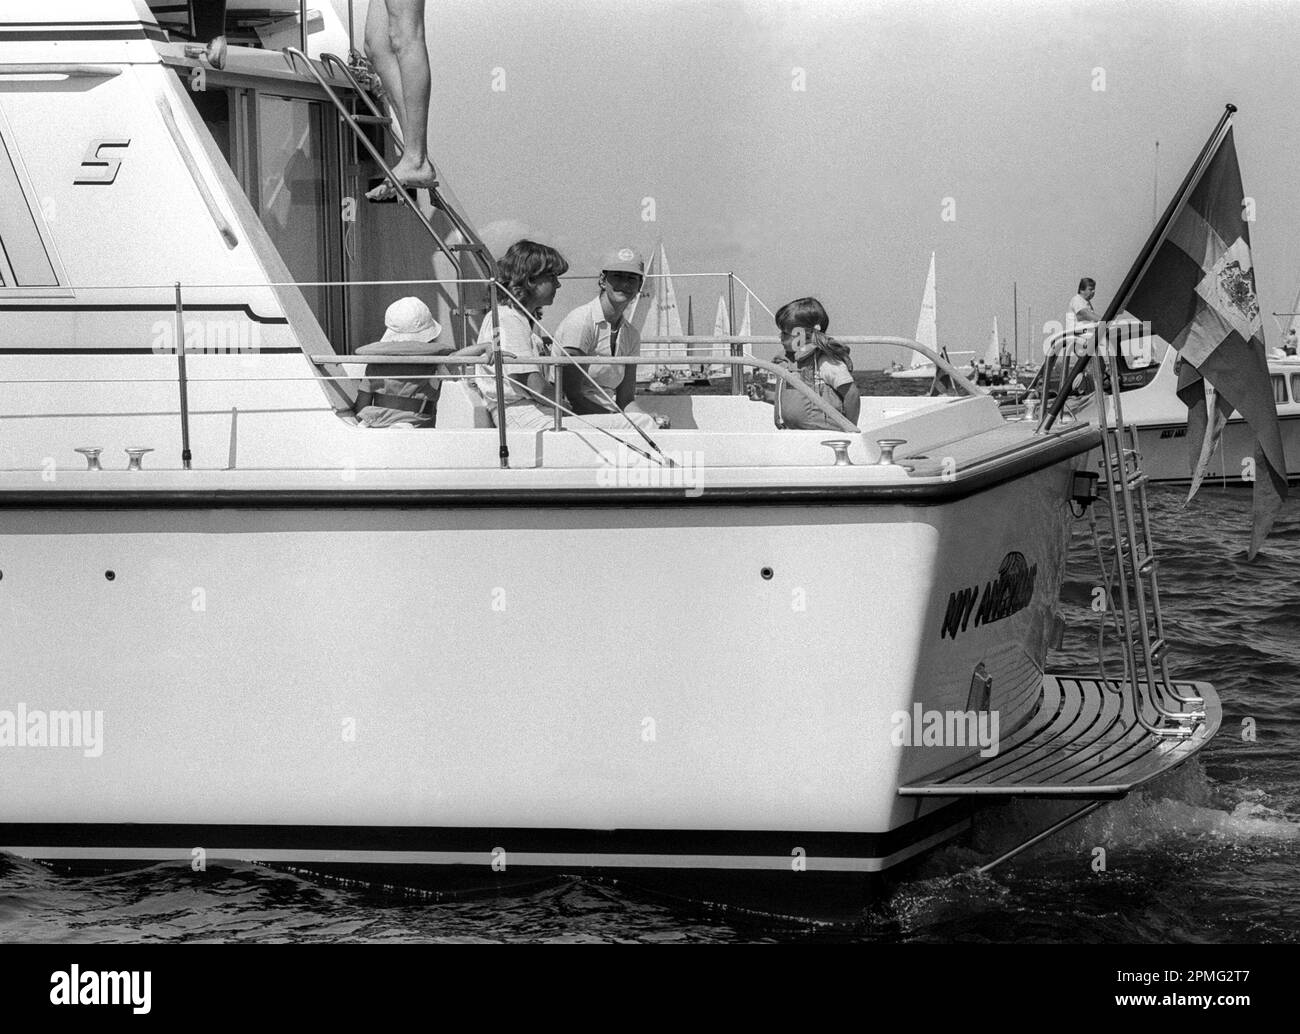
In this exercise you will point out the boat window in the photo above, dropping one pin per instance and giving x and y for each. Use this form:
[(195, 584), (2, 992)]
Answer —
[(24, 258), (1279, 388), (213, 105), (297, 197), (269, 24), (1295, 385)]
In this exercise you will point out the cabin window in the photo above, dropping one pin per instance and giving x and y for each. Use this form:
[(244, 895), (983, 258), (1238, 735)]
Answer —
[(1279, 388), (24, 258), (297, 198), (1295, 385)]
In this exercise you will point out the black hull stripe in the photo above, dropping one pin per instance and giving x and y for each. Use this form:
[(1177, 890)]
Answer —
[(247, 310), (82, 30), (760, 843), (259, 350)]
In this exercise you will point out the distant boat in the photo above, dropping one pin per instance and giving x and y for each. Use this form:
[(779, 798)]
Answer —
[(656, 316), (993, 354), (927, 333), (699, 374)]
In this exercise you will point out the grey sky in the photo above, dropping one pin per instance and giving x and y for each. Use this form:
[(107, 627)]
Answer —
[(838, 189)]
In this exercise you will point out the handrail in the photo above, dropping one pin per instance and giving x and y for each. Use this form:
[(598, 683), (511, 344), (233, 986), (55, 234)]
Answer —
[(588, 360), (60, 68), (477, 246), (294, 54)]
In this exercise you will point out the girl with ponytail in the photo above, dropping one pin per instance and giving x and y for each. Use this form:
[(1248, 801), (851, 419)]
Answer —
[(824, 364)]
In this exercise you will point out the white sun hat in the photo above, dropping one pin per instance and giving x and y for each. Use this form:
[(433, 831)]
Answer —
[(409, 319)]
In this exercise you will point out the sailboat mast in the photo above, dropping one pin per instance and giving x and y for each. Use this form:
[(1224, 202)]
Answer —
[(1015, 319)]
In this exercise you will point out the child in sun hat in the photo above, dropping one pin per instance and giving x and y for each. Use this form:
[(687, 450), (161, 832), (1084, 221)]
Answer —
[(393, 395)]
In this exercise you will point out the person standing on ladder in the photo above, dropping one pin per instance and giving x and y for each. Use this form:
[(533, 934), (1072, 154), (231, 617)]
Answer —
[(395, 44)]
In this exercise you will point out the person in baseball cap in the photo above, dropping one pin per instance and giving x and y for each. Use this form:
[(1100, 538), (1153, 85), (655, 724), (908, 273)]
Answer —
[(393, 395), (599, 328)]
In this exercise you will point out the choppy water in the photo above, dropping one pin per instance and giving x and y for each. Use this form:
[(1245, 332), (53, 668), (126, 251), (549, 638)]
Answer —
[(1211, 854)]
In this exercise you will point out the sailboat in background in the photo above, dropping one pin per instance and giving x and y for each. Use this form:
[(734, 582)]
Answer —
[(927, 333), (993, 354), (659, 317), (746, 328), (721, 328), (699, 372)]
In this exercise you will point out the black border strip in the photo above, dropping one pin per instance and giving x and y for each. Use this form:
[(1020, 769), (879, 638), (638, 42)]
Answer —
[(85, 33), (259, 350), (469, 838), (925, 493), (246, 309)]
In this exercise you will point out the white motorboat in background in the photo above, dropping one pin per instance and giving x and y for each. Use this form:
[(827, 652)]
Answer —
[(311, 642)]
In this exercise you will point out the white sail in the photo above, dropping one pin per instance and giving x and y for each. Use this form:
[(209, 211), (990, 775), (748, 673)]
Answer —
[(993, 354), (660, 317), (721, 328), (746, 328), (927, 322)]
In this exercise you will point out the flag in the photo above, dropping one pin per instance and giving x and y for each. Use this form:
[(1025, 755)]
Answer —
[(1195, 286)]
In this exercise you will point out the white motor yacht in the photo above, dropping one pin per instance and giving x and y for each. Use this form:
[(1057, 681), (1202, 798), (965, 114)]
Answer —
[(241, 625)]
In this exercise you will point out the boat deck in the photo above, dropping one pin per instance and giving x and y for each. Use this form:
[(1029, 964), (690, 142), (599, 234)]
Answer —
[(1081, 741)]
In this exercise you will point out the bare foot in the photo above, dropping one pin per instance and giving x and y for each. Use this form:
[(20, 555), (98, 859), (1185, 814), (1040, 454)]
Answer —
[(413, 174), (384, 192)]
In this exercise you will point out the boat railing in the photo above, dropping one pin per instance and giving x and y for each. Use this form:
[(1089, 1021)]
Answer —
[(492, 357)]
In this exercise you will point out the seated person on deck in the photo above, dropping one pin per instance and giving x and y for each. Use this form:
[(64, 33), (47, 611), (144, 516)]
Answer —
[(393, 395), (821, 362), (598, 328), (530, 276)]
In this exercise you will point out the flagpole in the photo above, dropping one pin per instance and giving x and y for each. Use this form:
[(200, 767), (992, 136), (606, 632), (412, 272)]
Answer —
[(1155, 183)]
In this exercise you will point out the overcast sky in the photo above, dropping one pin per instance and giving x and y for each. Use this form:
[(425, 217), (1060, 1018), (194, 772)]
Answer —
[(1039, 121)]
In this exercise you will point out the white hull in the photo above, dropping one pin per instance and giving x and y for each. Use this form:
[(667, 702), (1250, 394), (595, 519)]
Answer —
[(453, 690), (1160, 420)]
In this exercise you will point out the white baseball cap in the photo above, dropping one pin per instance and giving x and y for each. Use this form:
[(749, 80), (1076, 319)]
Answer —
[(409, 319)]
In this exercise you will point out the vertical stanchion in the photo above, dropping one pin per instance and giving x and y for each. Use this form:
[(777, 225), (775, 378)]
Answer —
[(184, 386), (556, 373), (302, 23), (503, 450), (737, 372)]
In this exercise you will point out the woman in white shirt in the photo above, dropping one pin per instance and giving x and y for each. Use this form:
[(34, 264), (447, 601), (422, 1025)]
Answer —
[(531, 273)]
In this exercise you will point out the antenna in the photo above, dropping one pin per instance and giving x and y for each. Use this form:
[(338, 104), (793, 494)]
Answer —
[(1015, 319), (1155, 185)]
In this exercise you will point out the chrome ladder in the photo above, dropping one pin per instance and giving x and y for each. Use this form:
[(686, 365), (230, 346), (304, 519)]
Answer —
[(472, 247), (1137, 587)]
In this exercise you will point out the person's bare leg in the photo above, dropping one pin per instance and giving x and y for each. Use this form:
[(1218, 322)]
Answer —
[(406, 38), (380, 52)]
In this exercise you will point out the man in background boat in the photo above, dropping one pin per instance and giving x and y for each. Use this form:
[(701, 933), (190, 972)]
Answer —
[(598, 328), (1081, 310)]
